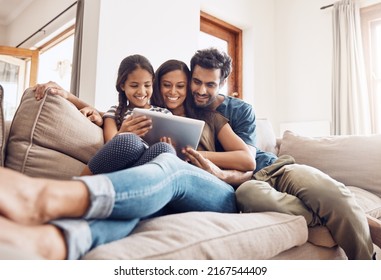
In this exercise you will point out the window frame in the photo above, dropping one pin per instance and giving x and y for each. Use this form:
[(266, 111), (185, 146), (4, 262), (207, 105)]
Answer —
[(233, 36)]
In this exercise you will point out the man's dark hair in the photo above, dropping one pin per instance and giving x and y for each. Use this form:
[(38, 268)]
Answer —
[(212, 58)]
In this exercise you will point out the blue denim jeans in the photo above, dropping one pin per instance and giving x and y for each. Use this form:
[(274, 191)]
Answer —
[(119, 200)]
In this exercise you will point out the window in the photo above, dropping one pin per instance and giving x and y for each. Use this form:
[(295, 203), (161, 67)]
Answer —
[(18, 67), (371, 32), (56, 56), (18, 70), (217, 33)]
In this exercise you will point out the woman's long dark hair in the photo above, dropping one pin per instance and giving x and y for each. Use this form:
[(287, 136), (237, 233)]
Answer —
[(126, 67)]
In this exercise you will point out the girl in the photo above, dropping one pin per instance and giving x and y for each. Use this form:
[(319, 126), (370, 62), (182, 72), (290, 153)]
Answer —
[(124, 148)]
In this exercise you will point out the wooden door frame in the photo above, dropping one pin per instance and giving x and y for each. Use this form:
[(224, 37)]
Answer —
[(33, 55), (233, 35)]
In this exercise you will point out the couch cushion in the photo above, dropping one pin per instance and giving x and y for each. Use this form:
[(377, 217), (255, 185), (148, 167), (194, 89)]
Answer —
[(370, 203), (352, 160), (50, 138), (266, 139), (208, 235), (2, 128)]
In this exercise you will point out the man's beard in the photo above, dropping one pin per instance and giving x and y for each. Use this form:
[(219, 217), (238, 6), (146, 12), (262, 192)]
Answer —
[(203, 105)]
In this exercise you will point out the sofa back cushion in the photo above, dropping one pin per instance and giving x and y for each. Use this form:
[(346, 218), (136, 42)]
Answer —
[(50, 138), (352, 160), (266, 139), (2, 128)]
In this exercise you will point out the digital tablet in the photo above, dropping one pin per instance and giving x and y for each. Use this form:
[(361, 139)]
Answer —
[(182, 131)]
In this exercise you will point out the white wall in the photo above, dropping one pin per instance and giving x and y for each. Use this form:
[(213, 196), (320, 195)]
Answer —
[(160, 30), (303, 53), (169, 29), (2, 35)]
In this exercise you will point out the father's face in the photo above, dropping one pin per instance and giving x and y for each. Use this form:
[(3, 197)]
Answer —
[(205, 85)]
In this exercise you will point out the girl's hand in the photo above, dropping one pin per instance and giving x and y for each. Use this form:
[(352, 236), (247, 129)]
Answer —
[(52, 88), (167, 140), (93, 115), (139, 125)]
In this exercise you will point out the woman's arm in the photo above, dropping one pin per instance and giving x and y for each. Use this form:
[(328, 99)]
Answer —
[(236, 155)]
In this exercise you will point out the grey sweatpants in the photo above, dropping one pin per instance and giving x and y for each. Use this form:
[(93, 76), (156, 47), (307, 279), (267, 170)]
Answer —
[(297, 189)]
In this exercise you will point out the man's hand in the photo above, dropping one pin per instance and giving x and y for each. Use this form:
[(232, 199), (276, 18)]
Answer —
[(197, 159), (139, 125), (232, 177), (93, 115), (52, 88)]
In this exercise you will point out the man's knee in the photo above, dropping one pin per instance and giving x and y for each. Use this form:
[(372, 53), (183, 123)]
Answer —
[(252, 196)]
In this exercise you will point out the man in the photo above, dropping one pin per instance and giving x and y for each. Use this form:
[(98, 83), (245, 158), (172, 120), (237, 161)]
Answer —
[(278, 183)]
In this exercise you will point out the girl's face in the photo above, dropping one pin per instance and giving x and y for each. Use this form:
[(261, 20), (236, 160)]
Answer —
[(138, 88), (173, 88)]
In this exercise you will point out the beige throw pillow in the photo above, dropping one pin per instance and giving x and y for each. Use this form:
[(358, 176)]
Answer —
[(352, 160), (50, 138)]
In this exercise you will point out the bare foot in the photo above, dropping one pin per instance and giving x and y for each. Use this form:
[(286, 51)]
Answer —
[(30, 201), (375, 229), (45, 241)]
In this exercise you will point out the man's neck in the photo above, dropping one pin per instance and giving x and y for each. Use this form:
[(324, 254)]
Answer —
[(217, 101)]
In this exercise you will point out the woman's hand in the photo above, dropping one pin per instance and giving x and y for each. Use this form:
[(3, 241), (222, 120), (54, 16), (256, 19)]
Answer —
[(92, 114), (168, 140), (52, 88), (139, 125)]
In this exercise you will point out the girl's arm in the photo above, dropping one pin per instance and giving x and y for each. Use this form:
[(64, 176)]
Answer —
[(139, 125), (236, 155), (109, 129)]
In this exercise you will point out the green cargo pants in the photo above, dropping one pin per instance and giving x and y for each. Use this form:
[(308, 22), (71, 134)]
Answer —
[(296, 189)]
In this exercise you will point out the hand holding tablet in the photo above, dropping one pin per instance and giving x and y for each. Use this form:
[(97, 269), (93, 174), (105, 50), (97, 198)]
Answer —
[(182, 131)]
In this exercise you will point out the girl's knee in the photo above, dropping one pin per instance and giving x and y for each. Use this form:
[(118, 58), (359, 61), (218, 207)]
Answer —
[(162, 147)]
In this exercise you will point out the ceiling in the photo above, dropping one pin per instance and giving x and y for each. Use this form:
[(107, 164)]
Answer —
[(10, 9)]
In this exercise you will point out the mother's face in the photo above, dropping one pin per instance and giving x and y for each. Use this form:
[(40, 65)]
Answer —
[(173, 88)]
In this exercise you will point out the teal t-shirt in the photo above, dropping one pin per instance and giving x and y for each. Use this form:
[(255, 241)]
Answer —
[(241, 118)]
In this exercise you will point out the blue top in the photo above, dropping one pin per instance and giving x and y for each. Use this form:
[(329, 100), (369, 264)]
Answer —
[(241, 118)]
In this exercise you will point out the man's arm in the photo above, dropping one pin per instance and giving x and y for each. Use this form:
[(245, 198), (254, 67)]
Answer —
[(235, 178), (232, 177)]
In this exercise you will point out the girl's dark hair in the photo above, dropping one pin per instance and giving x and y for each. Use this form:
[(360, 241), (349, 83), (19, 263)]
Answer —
[(126, 67)]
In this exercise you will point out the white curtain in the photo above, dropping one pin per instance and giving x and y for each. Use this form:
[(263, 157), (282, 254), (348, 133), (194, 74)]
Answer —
[(351, 114)]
